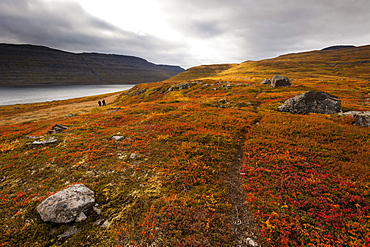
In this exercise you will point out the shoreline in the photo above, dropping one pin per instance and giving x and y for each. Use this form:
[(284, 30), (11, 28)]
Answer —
[(20, 95), (19, 113)]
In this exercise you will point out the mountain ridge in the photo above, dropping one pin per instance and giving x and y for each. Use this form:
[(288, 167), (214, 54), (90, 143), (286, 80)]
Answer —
[(27, 64)]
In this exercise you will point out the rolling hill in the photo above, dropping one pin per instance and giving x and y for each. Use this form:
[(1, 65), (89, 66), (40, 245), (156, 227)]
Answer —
[(30, 64), (202, 159)]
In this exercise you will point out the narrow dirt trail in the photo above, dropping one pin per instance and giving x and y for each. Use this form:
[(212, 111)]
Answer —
[(244, 224), (246, 229)]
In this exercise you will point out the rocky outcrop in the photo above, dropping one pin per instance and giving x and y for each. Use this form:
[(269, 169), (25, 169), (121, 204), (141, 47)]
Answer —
[(280, 81), (181, 86), (362, 118), (312, 102), (67, 205)]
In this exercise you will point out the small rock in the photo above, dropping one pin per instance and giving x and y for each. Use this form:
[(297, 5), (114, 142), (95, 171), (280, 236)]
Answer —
[(97, 222), (57, 128), (251, 242), (280, 81), (266, 82), (97, 210), (66, 205), (118, 138), (69, 232), (34, 137), (44, 142), (81, 217), (133, 156), (105, 224)]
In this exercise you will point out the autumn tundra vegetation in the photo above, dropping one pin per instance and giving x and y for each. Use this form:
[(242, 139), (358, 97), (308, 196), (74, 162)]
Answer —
[(202, 159)]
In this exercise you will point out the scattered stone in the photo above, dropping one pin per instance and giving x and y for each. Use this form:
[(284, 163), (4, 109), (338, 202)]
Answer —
[(118, 138), (137, 91), (69, 232), (96, 209), (57, 128), (105, 224), (43, 142), (34, 137), (181, 86), (312, 102), (71, 115), (251, 242), (133, 156), (280, 81), (81, 217), (362, 117), (97, 222), (67, 205), (266, 82)]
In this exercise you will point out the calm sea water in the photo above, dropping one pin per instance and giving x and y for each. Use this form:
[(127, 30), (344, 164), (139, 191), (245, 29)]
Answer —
[(11, 95)]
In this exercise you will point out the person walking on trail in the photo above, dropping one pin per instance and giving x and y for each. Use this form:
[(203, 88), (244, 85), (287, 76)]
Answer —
[(103, 102), (99, 103)]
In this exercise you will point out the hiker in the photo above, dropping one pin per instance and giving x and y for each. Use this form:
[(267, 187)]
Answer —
[(99, 103), (103, 102)]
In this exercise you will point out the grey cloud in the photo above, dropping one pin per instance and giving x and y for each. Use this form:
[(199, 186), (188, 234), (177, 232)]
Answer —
[(232, 31), (265, 28), (67, 26)]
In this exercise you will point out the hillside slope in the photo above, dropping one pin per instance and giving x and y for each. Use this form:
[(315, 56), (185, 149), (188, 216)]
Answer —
[(349, 62), (29, 64), (202, 162)]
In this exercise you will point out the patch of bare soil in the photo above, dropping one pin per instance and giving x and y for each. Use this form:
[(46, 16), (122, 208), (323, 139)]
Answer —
[(63, 108)]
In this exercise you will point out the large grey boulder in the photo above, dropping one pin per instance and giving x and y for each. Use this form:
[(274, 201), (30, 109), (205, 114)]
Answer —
[(67, 205), (280, 81), (362, 118), (312, 102)]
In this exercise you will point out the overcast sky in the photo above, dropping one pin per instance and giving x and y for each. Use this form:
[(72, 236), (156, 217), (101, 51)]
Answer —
[(186, 32)]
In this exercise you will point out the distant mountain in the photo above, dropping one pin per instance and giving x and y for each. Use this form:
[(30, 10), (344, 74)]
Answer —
[(30, 64), (335, 47)]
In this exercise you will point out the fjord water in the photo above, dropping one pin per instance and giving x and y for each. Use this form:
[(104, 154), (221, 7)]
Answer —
[(12, 95)]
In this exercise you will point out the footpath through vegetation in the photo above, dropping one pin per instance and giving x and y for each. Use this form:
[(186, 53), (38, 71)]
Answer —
[(198, 162)]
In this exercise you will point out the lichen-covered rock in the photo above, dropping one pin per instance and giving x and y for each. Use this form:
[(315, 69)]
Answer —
[(41, 142), (312, 102), (362, 117), (67, 205), (280, 81)]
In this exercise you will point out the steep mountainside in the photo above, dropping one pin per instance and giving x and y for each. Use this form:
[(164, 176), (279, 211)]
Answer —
[(209, 160), (29, 64)]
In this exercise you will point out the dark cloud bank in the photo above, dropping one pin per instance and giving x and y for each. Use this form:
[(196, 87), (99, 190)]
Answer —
[(234, 30)]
